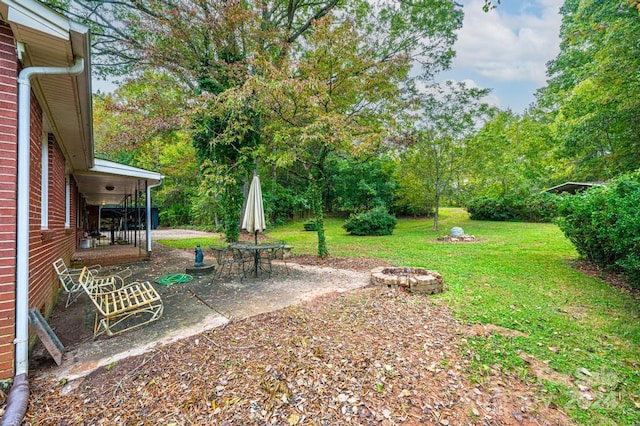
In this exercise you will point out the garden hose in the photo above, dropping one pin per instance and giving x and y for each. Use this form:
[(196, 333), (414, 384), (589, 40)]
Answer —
[(174, 279)]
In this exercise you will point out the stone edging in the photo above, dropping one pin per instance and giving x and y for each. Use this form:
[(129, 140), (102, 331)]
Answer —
[(417, 279)]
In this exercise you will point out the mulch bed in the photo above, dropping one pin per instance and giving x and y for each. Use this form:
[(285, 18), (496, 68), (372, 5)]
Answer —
[(360, 264), (612, 278), (368, 357)]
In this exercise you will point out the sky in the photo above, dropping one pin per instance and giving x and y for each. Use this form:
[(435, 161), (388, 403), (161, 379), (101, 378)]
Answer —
[(507, 49)]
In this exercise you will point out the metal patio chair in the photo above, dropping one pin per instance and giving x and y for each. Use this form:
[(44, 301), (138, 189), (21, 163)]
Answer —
[(69, 278), (228, 258), (280, 253), (120, 308)]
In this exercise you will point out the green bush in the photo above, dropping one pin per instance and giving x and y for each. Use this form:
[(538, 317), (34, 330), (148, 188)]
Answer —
[(174, 215), (604, 225), (311, 225), (376, 221), (542, 207)]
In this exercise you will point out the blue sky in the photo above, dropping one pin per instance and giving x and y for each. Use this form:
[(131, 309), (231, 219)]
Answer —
[(507, 49)]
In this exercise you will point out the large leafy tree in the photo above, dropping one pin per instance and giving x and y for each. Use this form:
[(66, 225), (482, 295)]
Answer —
[(333, 99), (194, 40), (212, 47), (594, 92), (140, 124), (342, 92)]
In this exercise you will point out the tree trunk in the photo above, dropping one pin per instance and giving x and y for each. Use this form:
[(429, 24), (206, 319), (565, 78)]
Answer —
[(318, 211), (435, 216)]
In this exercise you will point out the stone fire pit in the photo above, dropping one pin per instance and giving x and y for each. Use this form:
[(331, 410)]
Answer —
[(419, 280)]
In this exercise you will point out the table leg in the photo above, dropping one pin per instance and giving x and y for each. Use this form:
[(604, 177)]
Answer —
[(256, 262)]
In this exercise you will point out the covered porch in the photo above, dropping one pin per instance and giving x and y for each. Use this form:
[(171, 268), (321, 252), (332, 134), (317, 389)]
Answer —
[(115, 213)]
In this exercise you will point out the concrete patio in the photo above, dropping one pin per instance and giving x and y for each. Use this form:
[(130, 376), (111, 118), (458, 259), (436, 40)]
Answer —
[(189, 308)]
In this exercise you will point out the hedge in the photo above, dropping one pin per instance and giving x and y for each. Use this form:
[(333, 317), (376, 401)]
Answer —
[(604, 225), (542, 207)]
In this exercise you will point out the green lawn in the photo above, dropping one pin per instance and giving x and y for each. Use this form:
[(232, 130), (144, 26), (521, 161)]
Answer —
[(519, 277)]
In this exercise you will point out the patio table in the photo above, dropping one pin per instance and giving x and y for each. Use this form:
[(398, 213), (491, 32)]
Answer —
[(258, 251)]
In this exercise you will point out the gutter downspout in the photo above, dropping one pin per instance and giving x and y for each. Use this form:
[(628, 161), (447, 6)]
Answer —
[(19, 394), (148, 203)]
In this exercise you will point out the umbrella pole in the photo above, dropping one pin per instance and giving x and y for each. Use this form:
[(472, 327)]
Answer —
[(256, 236)]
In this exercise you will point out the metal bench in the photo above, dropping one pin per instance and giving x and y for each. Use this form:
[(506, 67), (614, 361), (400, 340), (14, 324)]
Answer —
[(121, 308)]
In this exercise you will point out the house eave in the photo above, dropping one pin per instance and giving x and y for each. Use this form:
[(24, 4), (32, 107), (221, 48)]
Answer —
[(52, 40)]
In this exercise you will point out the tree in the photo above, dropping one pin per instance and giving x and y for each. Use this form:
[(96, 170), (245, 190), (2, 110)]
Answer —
[(332, 100), (593, 94), (512, 155), (192, 40), (355, 186), (342, 92), (140, 125), (212, 47), (434, 159)]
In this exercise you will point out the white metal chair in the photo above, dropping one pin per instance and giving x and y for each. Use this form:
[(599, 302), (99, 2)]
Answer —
[(120, 308), (69, 278)]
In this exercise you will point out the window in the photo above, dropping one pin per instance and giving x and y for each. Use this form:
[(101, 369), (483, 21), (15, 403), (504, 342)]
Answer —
[(44, 187), (67, 201)]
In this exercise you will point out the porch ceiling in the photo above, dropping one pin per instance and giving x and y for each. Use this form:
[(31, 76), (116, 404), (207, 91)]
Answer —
[(93, 183)]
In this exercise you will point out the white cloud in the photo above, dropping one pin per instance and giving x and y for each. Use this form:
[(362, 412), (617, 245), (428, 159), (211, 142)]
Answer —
[(490, 99), (509, 46)]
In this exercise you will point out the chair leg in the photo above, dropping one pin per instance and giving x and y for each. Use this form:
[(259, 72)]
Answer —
[(70, 300)]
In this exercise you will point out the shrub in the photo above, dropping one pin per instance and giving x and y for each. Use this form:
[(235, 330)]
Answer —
[(542, 207), (376, 221), (174, 215), (311, 225), (604, 225)]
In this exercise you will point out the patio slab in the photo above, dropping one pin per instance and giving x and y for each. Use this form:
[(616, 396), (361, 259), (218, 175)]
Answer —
[(189, 308)]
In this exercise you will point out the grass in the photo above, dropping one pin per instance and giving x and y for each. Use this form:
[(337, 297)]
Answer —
[(519, 277)]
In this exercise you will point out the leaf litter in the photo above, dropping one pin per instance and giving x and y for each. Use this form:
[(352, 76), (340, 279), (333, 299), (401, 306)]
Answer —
[(371, 356)]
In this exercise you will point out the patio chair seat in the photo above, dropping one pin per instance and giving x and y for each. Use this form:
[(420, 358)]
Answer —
[(281, 252), (120, 308)]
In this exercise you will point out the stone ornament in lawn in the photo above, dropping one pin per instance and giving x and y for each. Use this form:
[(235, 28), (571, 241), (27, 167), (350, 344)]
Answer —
[(457, 235), (419, 280), (456, 231)]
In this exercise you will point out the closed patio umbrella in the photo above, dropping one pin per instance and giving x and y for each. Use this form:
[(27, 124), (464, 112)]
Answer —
[(254, 212)]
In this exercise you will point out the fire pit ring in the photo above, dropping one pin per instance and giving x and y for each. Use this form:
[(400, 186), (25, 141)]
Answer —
[(420, 280)]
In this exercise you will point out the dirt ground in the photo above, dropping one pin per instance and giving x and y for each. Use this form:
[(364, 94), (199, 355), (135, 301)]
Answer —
[(294, 355)]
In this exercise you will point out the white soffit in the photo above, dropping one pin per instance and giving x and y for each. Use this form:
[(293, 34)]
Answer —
[(110, 167), (52, 40), (31, 14)]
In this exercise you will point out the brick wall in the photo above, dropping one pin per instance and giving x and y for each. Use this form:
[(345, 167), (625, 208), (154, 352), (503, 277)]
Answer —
[(45, 245), (8, 201)]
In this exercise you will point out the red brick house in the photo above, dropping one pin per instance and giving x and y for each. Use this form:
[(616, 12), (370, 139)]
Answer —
[(48, 174)]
